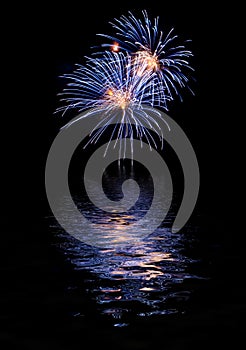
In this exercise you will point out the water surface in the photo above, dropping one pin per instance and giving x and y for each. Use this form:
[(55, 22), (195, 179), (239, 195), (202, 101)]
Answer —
[(128, 279)]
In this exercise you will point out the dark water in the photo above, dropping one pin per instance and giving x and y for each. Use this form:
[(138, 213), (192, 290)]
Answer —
[(166, 291), (129, 276), (123, 283), (150, 278), (170, 291)]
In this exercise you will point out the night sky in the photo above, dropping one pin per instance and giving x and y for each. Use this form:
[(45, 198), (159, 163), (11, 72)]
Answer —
[(43, 42), (47, 42)]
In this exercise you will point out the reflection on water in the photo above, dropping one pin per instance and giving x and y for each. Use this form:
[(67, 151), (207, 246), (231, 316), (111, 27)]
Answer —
[(142, 278)]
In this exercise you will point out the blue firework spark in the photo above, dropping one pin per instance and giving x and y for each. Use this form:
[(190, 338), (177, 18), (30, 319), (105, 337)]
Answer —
[(162, 55), (110, 85), (139, 67), (110, 82)]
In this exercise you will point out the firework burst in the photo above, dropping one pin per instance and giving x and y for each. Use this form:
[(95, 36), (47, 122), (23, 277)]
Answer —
[(153, 52), (111, 86), (140, 69)]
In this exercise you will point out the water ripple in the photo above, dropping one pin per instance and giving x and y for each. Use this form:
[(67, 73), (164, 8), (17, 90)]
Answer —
[(146, 279)]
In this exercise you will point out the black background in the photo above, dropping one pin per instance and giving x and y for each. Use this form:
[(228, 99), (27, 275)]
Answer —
[(44, 41), (47, 41)]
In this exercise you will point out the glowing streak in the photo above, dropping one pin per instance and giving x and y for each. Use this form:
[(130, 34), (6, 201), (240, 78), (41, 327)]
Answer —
[(148, 71), (152, 51), (109, 84)]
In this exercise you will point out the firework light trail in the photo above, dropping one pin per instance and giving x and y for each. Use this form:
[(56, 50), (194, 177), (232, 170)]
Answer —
[(119, 94), (111, 85), (139, 68), (153, 52)]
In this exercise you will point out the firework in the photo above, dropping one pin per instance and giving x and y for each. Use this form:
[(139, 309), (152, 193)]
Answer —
[(151, 51), (111, 86), (140, 67)]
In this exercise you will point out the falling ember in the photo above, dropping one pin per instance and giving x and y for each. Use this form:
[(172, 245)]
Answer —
[(115, 46)]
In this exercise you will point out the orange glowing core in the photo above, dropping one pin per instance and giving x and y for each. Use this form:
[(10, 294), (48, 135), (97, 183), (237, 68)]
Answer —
[(144, 61), (118, 98), (115, 46)]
